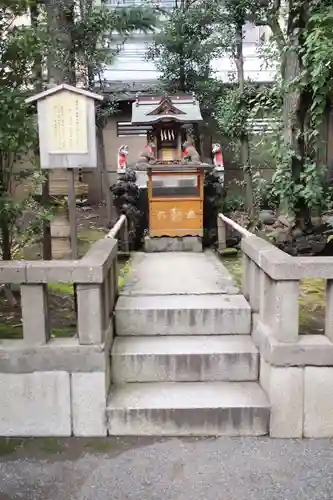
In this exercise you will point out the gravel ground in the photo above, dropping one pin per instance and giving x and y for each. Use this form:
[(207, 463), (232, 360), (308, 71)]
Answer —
[(175, 469)]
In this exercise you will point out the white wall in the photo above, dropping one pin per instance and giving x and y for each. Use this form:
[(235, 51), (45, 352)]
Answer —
[(131, 64)]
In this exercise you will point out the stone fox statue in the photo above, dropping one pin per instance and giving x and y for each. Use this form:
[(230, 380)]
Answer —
[(218, 157), (218, 161), (190, 154), (147, 155), (122, 159)]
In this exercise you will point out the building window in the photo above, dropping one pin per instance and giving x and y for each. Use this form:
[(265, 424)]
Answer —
[(127, 129), (117, 3), (166, 4), (123, 3)]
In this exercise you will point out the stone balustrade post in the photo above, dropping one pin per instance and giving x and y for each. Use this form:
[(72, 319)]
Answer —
[(329, 310), (221, 234), (107, 306), (111, 284), (115, 279), (91, 313), (279, 307), (35, 313), (126, 238), (254, 273), (246, 276)]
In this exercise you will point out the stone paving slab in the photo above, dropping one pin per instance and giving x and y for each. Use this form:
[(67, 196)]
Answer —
[(206, 344), (188, 409), (187, 395), (172, 469), (182, 315), (178, 273), (184, 359)]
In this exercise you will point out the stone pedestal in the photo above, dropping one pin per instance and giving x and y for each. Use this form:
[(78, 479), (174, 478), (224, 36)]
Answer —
[(176, 244)]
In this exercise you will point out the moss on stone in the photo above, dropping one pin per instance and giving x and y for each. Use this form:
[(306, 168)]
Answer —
[(10, 445), (311, 299)]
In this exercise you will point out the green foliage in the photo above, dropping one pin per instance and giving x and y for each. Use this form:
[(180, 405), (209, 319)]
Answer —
[(17, 126), (265, 197), (306, 86), (316, 56), (71, 44), (17, 130), (233, 204), (93, 35), (19, 45), (234, 109), (183, 50)]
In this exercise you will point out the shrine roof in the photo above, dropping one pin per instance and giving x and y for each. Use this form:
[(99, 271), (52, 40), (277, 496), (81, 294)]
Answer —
[(152, 109), (63, 86)]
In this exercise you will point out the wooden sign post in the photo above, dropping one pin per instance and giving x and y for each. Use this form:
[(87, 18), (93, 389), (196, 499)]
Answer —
[(67, 137)]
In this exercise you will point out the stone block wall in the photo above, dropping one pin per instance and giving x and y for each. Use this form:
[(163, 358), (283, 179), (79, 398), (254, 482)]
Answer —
[(56, 389), (296, 371), (301, 400), (52, 403)]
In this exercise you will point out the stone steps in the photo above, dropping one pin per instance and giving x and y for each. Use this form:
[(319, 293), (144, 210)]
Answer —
[(188, 409), (183, 362), (210, 314), (184, 359)]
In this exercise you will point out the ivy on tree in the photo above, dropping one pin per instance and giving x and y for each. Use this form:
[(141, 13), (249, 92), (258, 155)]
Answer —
[(233, 108), (183, 49), (19, 46), (305, 82)]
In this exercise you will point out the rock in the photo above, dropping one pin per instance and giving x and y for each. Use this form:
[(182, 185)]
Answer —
[(267, 217), (233, 240), (279, 235), (328, 219), (297, 232), (286, 220)]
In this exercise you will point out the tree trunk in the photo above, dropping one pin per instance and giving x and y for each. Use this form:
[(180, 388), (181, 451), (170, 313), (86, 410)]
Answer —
[(111, 214), (244, 141), (61, 60), (6, 241), (85, 8), (38, 74), (61, 57), (182, 76), (296, 105)]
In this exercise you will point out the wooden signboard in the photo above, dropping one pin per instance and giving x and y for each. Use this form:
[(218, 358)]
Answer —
[(66, 127), (67, 136)]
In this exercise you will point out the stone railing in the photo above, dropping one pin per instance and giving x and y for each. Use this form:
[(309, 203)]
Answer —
[(223, 223), (296, 370), (120, 231), (58, 386)]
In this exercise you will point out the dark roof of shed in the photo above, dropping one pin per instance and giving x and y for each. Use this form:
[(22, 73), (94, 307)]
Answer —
[(183, 108)]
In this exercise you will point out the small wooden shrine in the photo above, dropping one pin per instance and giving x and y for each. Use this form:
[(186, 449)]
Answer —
[(175, 171)]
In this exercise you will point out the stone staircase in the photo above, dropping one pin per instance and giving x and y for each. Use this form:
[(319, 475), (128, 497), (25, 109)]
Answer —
[(185, 365)]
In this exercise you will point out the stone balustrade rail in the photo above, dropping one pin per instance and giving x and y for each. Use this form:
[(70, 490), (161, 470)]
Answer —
[(59, 386), (95, 278), (296, 370)]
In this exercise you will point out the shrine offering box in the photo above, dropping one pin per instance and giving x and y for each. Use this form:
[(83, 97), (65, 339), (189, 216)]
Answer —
[(175, 195)]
